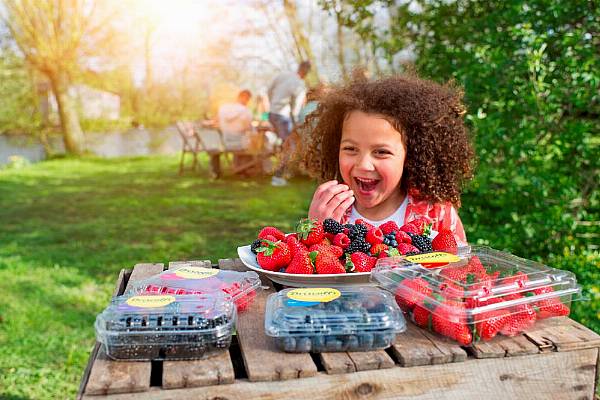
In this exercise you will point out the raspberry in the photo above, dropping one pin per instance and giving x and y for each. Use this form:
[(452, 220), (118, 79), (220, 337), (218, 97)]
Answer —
[(330, 225)]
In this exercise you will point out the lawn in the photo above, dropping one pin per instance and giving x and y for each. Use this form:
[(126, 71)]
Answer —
[(68, 226)]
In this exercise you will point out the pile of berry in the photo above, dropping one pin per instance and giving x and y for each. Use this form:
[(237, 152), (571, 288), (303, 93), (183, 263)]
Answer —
[(329, 247), (445, 303)]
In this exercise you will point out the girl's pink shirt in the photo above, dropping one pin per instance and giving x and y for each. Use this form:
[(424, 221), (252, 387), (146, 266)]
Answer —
[(440, 215)]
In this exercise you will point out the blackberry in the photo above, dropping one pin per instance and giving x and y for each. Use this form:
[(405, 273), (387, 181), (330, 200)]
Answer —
[(330, 225), (352, 232), (421, 242), (361, 230), (255, 245)]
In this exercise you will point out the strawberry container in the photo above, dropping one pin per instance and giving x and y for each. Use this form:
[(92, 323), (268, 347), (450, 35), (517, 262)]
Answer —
[(166, 327), (478, 294), (329, 319), (241, 286)]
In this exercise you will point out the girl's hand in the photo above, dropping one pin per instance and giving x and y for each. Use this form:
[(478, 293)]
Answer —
[(331, 200)]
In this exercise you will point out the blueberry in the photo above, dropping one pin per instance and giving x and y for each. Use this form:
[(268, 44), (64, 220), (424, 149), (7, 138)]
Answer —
[(332, 344), (303, 344), (366, 341), (289, 344), (352, 343)]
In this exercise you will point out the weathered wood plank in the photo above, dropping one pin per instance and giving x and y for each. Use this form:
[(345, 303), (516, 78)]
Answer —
[(503, 346), (337, 363), (108, 376), (233, 264), (368, 360), (562, 334), (418, 347), (263, 361), (568, 375), (190, 373)]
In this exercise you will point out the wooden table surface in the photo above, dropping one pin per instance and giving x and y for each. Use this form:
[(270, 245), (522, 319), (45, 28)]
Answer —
[(557, 359)]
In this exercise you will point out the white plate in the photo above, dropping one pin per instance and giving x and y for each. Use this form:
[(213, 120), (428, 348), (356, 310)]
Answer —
[(301, 280)]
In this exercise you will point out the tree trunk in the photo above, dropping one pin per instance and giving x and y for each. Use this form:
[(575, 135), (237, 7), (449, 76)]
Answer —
[(69, 120), (300, 37), (340, 41)]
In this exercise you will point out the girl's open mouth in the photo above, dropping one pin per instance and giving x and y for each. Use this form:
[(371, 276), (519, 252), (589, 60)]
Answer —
[(366, 185)]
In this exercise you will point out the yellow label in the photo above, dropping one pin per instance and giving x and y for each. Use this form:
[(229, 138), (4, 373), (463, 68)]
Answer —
[(438, 257), (321, 295), (196, 272), (150, 301)]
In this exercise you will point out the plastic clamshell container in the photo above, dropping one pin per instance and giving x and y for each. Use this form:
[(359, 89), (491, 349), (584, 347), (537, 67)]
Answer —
[(166, 327), (330, 319), (190, 279), (484, 293)]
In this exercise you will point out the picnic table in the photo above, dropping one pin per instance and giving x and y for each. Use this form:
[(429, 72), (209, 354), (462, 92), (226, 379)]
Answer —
[(557, 359)]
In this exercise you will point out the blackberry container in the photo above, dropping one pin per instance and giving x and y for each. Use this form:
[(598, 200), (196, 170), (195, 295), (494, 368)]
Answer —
[(477, 294), (166, 327), (190, 279), (333, 319)]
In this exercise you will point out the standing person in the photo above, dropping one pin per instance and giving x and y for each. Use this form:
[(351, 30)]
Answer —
[(235, 123), (394, 149), (286, 95)]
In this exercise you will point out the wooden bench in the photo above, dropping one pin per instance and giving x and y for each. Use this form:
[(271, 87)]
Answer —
[(556, 360)]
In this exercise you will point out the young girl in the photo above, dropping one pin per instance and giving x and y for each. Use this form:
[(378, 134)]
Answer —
[(391, 149)]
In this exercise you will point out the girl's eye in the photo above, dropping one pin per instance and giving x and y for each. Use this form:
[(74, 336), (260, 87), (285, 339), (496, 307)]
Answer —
[(348, 148), (382, 152)]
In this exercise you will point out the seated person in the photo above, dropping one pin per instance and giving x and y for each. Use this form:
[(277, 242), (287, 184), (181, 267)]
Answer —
[(235, 123)]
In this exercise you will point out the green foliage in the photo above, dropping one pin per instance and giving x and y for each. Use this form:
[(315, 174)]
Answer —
[(68, 227), (17, 96)]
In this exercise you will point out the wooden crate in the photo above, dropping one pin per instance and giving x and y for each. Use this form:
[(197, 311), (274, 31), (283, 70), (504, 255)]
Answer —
[(556, 360)]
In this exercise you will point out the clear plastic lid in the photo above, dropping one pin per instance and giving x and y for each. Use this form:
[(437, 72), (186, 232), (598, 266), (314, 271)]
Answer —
[(330, 311), (190, 279), (473, 283), (168, 313)]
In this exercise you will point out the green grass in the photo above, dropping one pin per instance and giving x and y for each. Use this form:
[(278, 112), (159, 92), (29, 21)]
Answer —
[(68, 226)]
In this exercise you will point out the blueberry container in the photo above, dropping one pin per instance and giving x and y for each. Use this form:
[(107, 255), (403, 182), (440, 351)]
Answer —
[(166, 327), (331, 319), (191, 279), (477, 294)]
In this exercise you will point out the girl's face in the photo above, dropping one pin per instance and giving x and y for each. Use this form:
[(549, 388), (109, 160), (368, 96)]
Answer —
[(371, 159)]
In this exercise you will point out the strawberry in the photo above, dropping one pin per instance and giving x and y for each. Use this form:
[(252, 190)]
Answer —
[(301, 264), (341, 240), (422, 224), (365, 223), (360, 262), (410, 228), (391, 252), (444, 241), (388, 227), (402, 237), (474, 302), (421, 316), (456, 273), (513, 277), (492, 322), (326, 248), (521, 320), (551, 308), (310, 231), (450, 320), (451, 290), (269, 230), (377, 249), (274, 255), (328, 264), (404, 248), (374, 236), (411, 292), (294, 245)]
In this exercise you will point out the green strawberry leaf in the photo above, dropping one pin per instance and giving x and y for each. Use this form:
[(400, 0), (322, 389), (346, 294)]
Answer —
[(313, 256)]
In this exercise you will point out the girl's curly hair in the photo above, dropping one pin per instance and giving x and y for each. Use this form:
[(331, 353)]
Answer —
[(429, 117)]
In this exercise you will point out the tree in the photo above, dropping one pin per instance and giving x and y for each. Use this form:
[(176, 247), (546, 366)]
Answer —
[(54, 36)]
